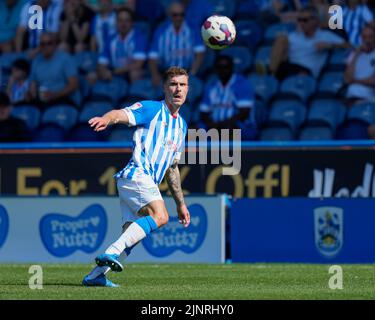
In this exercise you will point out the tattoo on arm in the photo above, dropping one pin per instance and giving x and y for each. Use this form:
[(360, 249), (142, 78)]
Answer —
[(174, 183)]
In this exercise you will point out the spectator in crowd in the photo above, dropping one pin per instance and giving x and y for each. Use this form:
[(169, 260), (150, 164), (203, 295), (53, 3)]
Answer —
[(355, 15), (75, 26), (228, 100), (10, 11), (360, 71), (128, 51), (53, 74), (51, 23), (305, 51), (11, 129), (322, 7), (117, 4), (103, 27), (19, 83), (175, 43)]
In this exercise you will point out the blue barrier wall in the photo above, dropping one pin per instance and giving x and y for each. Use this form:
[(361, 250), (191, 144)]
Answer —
[(303, 230)]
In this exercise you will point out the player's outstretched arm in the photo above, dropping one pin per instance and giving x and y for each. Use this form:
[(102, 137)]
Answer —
[(110, 118), (174, 185)]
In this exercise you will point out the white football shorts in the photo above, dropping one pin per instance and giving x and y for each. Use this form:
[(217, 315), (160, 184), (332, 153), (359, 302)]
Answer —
[(135, 194)]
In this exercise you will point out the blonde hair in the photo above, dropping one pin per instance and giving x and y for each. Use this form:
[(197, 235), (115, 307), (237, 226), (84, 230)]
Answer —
[(174, 71)]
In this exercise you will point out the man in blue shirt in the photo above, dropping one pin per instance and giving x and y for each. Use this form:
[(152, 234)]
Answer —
[(158, 144), (175, 43), (53, 74), (127, 51), (228, 99)]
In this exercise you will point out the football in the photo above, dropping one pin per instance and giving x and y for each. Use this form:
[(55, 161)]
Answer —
[(218, 32)]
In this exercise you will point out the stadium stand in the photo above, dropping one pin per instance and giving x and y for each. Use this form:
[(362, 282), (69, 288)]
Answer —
[(316, 133), (28, 113), (291, 113), (327, 112), (363, 111), (62, 115), (276, 134), (49, 132), (224, 7), (242, 57), (121, 134), (265, 85), (312, 108), (303, 86), (276, 29), (249, 34)]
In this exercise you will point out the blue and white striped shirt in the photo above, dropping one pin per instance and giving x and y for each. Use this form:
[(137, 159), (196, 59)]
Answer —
[(103, 29), (354, 20), (51, 20), (19, 90), (175, 49), (223, 102), (124, 51), (157, 142)]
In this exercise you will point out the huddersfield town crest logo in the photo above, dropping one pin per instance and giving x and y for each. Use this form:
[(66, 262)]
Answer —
[(328, 224)]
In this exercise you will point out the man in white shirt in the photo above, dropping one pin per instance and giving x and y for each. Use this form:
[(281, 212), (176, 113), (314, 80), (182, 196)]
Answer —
[(360, 71), (303, 51)]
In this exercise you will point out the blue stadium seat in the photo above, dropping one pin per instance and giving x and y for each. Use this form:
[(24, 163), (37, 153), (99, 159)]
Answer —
[(338, 59), (83, 132), (63, 115), (302, 86), (49, 132), (86, 61), (224, 7), (276, 134), (112, 90), (94, 109), (331, 82), (326, 111), (263, 56), (352, 129), (144, 89), (28, 113), (248, 33), (316, 133), (121, 134), (287, 112), (195, 89), (260, 113), (265, 85), (364, 111), (242, 57), (276, 29), (246, 9)]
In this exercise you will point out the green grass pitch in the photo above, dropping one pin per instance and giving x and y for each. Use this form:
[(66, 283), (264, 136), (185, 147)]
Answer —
[(192, 281)]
